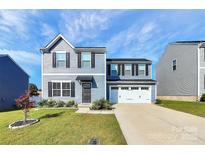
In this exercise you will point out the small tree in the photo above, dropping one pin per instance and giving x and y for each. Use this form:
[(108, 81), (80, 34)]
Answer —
[(25, 104), (33, 89)]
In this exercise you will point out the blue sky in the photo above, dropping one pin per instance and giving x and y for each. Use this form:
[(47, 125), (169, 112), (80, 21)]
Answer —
[(125, 33)]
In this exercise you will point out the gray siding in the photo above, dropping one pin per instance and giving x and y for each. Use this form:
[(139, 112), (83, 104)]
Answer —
[(183, 81), (202, 71), (63, 46), (97, 90), (131, 76), (13, 83)]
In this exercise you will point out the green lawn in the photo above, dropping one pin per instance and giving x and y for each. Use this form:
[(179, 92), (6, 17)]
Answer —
[(60, 126), (194, 108)]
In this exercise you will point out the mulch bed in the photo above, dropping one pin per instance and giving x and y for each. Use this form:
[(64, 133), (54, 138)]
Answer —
[(21, 123)]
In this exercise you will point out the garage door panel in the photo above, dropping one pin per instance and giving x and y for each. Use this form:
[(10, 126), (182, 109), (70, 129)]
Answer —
[(131, 94)]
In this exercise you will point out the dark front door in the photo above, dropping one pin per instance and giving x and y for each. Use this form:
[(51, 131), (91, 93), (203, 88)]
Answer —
[(86, 92)]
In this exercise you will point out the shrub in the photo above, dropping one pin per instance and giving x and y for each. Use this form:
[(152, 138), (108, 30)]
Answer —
[(101, 104), (202, 99), (42, 103), (60, 103), (70, 103), (158, 101), (50, 103)]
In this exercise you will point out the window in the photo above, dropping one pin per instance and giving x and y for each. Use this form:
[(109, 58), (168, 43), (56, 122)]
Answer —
[(66, 88), (144, 88), (124, 88), (114, 68), (134, 88), (56, 89), (141, 68), (128, 68), (60, 59), (86, 59), (114, 88), (174, 64), (61, 89)]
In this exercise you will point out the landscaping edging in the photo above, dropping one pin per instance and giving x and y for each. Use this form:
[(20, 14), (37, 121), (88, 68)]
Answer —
[(19, 124)]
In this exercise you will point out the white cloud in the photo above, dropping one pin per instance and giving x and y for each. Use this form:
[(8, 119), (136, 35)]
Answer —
[(23, 57), (47, 31), (87, 24)]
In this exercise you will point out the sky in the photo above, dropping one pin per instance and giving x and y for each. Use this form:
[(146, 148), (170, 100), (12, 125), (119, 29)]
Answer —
[(125, 33)]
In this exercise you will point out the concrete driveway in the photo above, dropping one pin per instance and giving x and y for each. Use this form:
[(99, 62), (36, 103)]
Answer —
[(152, 124)]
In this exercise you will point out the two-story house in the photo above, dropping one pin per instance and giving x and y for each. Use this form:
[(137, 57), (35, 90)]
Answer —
[(79, 73), (76, 73), (180, 71)]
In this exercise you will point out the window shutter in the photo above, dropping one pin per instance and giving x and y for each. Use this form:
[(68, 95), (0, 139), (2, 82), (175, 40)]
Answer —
[(108, 69), (132, 69), (67, 60), (147, 69), (79, 60), (72, 89), (49, 89), (123, 69), (92, 60), (136, 69), (118, 69), (54, 59)]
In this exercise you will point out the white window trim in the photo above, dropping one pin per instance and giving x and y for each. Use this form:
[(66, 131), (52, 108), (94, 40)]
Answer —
[(64, 52), (143, 70), (82, 59), (130, 70), (111, 70), (173, 65), (61, 81)]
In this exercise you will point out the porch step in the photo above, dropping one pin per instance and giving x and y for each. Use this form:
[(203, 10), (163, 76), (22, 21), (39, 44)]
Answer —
[(84, 105)]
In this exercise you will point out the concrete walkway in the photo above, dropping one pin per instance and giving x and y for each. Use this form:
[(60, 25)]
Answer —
[(152, 124)]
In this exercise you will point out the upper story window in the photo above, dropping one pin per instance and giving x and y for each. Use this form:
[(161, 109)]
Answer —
[(60, 59), (128, 69), (174, 64), (141, 68), (86, 60), (114, 68)]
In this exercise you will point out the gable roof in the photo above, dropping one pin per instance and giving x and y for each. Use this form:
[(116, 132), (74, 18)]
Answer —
[(53, 41), (6, 55), (77, 49)]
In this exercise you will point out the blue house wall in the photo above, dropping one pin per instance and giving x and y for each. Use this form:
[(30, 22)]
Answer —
[(13, 82)]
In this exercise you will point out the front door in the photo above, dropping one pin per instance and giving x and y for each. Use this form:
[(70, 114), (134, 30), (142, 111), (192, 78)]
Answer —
[(86, 92)]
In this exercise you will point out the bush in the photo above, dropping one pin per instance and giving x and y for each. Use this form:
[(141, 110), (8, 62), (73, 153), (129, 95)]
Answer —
[(42, 103), (158, 101), (70, 103), (202, 99), (51, 103), (60, 103), (101, 104)]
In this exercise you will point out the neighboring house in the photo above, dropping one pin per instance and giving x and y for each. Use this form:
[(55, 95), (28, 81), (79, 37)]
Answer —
[(130, 81), (13, 82), (180, 72), (79, 73)]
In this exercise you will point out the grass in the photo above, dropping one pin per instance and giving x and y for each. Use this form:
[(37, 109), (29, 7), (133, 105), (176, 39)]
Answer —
[(60, 126), (194, 108)]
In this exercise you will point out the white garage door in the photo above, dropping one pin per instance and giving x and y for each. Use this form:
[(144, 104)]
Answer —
[(130, 94)]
